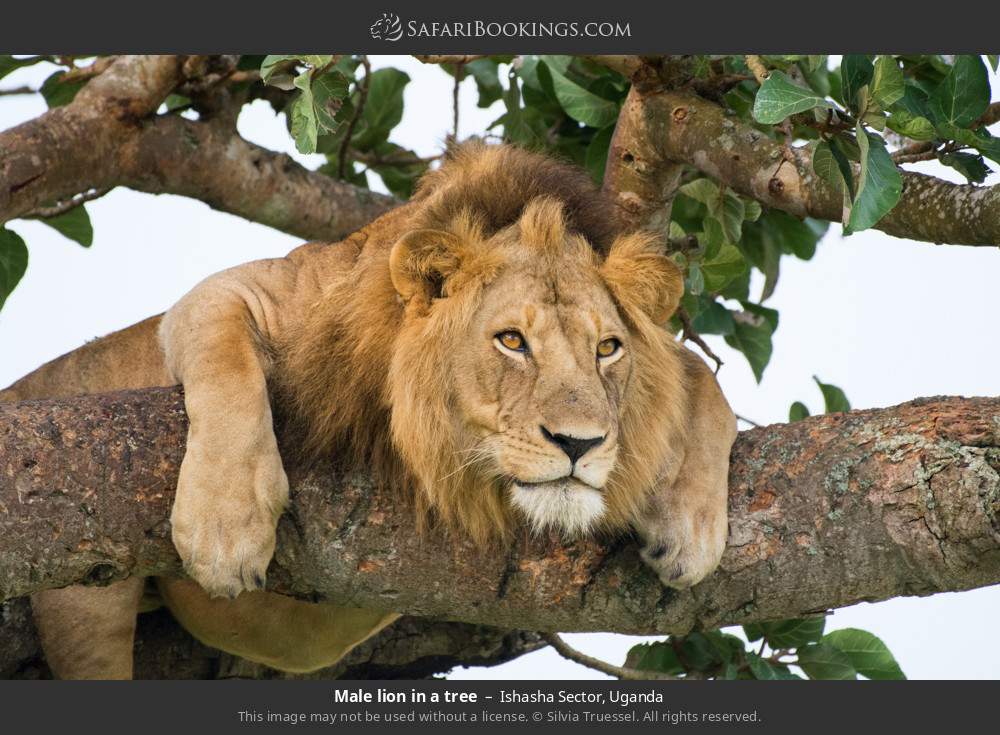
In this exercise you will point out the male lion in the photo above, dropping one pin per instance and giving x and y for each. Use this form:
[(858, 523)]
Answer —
[(496, 344)]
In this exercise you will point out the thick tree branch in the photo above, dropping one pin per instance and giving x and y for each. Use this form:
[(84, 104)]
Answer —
[(109, 136), (660, 129), (824, 513)]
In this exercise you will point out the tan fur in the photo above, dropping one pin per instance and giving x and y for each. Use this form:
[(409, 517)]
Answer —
[(383, 349)]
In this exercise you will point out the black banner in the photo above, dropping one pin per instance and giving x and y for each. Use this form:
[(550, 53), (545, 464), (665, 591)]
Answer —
[(501, 706), (516, 26)]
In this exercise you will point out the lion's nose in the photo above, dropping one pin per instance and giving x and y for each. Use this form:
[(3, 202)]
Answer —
[(574, 446)]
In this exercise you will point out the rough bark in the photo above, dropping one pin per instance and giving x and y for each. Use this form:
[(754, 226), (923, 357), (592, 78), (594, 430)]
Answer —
[(658, 130), (109, 136), (824, 513)]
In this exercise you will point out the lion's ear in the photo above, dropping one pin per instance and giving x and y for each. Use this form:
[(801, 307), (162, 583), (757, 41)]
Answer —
[(642, 278), (421, 260)]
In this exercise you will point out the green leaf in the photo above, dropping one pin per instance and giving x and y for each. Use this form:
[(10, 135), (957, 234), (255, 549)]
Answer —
[(856, 72), (304, 127), (964, 93), (486, 74), (834, 398), (764, 670), (329, 93), (867, 653), (879, 184), (384, 108), (13, 262), (176, 102), (994, 60), (823, 661), (58, 93), (778, 98), (597, 152), (399, 168), (731, 214), (581, 104), (887, 82), (794, 632), (273, 63), (726, 266), (659, 656), (705, 191), (987, 144), (754, 341), (797, 412), (971, 166), (74, 224), (826, 166), (912, 126), (695, 280), (758, 310), (714, 318)]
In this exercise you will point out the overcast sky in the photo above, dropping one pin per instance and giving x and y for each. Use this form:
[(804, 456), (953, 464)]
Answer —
[(885, 319)]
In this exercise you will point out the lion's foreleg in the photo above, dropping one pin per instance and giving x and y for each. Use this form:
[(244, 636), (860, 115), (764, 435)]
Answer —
[(685, 526)]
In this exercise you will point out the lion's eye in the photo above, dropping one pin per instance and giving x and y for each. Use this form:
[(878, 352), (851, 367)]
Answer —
[(512, 340), (608, 347)]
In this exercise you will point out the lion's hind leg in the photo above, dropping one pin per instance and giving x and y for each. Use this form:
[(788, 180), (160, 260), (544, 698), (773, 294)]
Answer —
[(89, 632)]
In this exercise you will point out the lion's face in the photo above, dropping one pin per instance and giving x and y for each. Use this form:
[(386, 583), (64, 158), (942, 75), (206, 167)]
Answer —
[(512, 372), (548, 357)]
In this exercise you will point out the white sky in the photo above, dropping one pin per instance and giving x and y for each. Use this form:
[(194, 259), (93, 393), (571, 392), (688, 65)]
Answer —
[(887, 320)]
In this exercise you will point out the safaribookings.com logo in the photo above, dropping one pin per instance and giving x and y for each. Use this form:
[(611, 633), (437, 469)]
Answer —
[(390, 28), (387, 28)]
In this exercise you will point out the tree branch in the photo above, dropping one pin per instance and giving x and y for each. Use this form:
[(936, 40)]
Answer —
[(108, 136), (824, 513), (659, 130)]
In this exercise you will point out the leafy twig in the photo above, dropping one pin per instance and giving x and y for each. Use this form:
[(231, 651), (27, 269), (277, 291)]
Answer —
[(689, 333), (362, 99), (571, 654)]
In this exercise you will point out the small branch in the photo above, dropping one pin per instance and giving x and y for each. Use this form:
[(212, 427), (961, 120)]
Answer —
[(991, 116), (82, 73), (745, 420), (914, 152), (358, 110), (459, 69), (621, 672), (448, 58), (756, 65), (65, 206), (17, 90), (689, 333), (627, 66)]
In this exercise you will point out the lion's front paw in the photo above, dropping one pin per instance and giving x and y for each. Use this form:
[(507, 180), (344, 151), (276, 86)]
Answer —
[(684, 549), (225, 515)]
